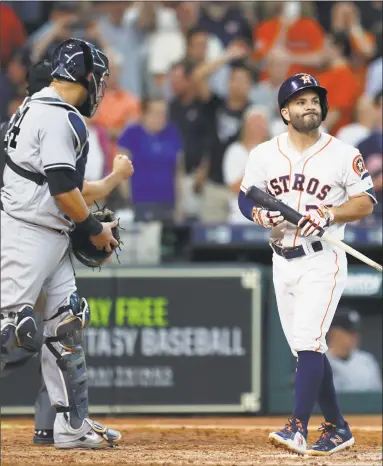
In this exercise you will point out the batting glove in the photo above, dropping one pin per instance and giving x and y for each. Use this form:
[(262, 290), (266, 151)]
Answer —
[(267, 218), (312, 224)]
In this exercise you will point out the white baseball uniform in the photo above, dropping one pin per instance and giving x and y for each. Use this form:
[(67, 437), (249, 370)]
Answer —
[(308, 288)]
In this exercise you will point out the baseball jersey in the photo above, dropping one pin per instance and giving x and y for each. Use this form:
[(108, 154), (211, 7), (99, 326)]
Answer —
[(45, 134), (328, 173)]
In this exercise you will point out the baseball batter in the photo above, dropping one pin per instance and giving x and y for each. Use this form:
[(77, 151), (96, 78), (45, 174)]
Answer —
[(42, 202), (326, 180)]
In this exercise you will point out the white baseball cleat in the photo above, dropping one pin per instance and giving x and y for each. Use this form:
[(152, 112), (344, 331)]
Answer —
[(291, 438), (91, 435)]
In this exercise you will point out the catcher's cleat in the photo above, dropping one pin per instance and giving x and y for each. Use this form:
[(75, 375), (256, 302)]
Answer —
[(292, 437), (91, 435), (43, 437), (332, 440), (110, 435)]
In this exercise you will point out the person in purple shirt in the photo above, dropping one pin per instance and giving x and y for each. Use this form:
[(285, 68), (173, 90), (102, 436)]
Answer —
[(372, 150), (155, 147)]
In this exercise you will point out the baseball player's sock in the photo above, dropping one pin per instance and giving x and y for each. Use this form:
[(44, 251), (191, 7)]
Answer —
[(308, 380), (328, 399)]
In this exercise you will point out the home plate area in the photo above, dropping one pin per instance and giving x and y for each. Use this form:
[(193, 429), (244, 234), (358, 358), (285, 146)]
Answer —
[(190, 441)]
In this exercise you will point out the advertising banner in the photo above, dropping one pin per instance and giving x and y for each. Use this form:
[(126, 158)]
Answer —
[(169, 340)]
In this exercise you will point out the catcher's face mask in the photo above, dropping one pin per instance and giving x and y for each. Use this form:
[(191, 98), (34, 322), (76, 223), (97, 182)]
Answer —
[(96, 90)]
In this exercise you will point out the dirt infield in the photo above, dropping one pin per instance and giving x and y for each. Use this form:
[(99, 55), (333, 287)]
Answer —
[(190, 441)]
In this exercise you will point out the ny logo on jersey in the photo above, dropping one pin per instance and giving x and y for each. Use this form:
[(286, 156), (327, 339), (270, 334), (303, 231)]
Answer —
[(306, 79), (299, 183)]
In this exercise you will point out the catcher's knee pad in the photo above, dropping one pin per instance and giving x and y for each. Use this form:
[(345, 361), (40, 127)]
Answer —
[(70, 358), (18, 329)]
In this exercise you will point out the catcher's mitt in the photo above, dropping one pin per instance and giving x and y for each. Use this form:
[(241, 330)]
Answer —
[(83, 248)]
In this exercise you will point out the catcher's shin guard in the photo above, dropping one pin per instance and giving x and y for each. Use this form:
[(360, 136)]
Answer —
[(70, 360), (18, 329)]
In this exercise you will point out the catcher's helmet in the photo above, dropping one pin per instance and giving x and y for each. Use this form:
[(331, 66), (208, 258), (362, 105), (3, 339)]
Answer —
[(73, 60), (297, 83)]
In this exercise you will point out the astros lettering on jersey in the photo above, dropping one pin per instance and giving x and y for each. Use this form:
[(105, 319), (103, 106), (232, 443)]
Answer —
[(328, 173)]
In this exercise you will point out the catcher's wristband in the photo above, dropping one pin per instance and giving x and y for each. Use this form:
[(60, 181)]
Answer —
[(91, 226)]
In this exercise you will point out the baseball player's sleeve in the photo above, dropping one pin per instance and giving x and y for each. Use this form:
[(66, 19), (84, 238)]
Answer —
[(356, 178), (57, 140), (255, 175), (62, 136)]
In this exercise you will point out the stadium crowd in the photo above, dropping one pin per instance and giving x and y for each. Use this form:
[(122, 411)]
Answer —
[(193, 87)]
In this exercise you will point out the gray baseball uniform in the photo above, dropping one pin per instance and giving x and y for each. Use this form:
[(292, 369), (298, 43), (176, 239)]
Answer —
[(47, 135)]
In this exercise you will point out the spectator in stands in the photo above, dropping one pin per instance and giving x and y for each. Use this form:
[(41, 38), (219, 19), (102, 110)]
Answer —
[(225, 20), (293, 29), (225, 116), (199, 50), (12, 34), (254, 131), (265, 93), (372, 150), (354, 370), (67, 19), (364, 122), (219, 81), (64, 16), (117, 108), (154, 146), (341, 84), (188, 113), (32, 13), (128, 35), (183, 39), (346, 19), (12, 82), (188, 14)]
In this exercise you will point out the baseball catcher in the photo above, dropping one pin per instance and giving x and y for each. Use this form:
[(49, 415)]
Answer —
[(45, 200), (38, 78)]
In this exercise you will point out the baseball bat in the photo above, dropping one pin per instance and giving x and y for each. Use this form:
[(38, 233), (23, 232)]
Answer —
[(265, 200)]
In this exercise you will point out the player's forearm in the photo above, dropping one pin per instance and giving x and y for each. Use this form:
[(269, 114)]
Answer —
[(73, 205), (41, 45), (280, 41), (308, 59), (97, 190), (364, 44), (204, 70), (236, 186), (354, 209)]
